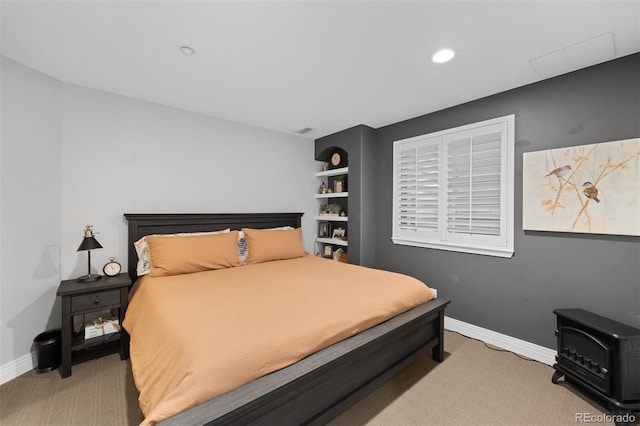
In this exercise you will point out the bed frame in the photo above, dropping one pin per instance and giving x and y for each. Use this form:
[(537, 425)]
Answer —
[(320, 386)]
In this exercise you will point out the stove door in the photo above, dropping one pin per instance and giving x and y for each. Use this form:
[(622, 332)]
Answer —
[(586, 357)]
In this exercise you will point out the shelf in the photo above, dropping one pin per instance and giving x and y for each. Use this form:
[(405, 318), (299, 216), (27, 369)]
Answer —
[(332, 218), (327, 218), (333, 195), (334, 241), (334, 172), (79, 342)]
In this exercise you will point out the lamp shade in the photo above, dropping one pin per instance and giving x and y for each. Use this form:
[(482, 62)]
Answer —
[(89, 243)]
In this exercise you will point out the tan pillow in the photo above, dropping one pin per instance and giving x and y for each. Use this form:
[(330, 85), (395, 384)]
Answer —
[(142, 249), (265, 245), (184, 255), (243, 252)]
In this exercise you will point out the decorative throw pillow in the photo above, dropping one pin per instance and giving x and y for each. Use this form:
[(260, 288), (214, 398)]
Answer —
[(144, 265)]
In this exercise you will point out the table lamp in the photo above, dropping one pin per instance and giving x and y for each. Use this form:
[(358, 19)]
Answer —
[(89, 243)]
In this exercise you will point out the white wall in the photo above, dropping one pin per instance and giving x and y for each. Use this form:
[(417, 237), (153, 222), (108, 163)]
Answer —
[(73, 156), (30, 166), (122, 155)]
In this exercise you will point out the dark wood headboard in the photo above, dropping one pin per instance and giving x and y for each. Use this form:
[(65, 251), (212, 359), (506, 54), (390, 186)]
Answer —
[(161, 223)]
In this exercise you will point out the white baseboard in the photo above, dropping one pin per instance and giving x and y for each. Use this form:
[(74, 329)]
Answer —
[(521, 347), (15, 368)]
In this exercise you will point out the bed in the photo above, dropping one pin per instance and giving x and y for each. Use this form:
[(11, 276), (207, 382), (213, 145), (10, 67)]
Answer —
[(322, 384)]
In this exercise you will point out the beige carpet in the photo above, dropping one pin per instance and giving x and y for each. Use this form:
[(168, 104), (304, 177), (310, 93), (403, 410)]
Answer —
[(99, 392), (473, 386)]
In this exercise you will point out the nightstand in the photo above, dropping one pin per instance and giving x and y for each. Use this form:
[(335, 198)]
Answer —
[(79, 299)]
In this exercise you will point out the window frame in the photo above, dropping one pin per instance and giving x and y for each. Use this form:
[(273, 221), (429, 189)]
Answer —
[(501, 245)]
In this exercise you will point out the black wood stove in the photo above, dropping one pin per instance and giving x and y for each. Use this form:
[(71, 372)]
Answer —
[(600, 356)]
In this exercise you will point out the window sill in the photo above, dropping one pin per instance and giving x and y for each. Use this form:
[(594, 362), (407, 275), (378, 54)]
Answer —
[(504, 252)]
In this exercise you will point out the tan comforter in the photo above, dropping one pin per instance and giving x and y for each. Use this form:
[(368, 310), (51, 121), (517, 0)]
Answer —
[(197, 336)]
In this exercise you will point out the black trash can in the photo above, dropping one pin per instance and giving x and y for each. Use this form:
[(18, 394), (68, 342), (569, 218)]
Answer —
[(48, 350)]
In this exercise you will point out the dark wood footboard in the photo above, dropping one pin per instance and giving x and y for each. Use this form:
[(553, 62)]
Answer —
[(319, 387)]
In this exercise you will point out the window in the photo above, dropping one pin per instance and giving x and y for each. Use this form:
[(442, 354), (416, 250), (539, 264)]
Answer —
[(453, 190)]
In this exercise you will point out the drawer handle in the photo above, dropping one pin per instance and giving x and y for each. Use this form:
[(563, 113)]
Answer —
[(97, 301)]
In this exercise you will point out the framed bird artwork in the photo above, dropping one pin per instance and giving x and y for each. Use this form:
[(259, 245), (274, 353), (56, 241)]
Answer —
[(587, 188)]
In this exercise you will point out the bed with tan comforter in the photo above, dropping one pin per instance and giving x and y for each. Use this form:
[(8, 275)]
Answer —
[(196, 336)]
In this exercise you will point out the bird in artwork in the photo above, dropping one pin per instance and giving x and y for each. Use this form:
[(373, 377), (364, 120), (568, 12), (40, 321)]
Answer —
[(590, 191), (560, 171)]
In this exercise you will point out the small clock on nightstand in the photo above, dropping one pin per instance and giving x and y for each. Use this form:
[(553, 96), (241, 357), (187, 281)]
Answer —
[(112, 268)]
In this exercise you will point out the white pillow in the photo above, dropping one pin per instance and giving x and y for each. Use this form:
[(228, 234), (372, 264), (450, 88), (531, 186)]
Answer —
[(144, 256)]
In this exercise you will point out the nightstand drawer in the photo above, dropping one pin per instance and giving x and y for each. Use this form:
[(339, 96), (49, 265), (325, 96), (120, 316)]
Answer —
[(95, 300)]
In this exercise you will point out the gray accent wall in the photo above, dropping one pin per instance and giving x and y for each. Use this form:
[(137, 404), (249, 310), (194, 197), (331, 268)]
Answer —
[(517, 296)]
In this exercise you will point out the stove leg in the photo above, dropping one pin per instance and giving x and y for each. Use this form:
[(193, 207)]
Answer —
[(556, 375)]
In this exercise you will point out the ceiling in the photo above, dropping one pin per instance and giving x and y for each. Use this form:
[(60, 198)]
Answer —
[(326, 65)]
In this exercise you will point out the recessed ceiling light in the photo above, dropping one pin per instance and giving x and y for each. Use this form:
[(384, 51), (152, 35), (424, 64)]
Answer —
[(187, 50), (443, 55)]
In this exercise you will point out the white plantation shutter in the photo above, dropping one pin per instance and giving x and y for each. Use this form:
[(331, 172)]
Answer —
[(418, 189), (454, 189), (474, 183)]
